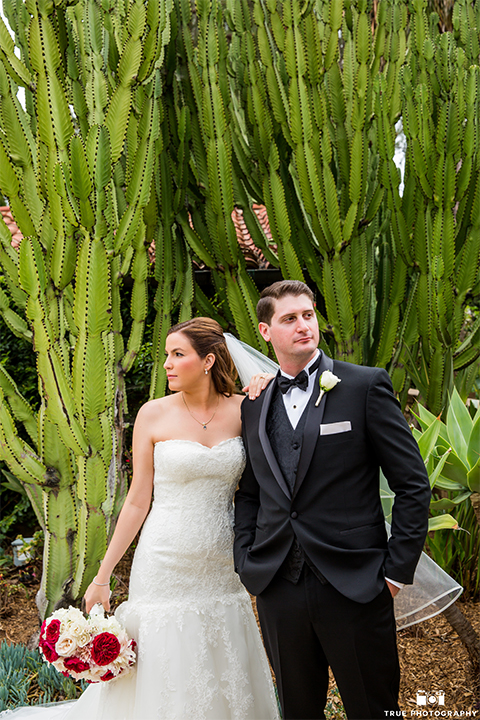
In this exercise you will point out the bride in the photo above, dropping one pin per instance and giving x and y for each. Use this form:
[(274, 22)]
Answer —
[(200, 654)]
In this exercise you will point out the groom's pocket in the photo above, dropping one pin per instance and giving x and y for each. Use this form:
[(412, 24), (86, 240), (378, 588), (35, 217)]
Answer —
[(336, 428)]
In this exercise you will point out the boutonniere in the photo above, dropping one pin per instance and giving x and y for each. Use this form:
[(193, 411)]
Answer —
[(327, 381)]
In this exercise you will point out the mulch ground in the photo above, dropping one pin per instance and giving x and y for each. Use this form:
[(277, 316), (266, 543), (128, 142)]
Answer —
[(432, 657)]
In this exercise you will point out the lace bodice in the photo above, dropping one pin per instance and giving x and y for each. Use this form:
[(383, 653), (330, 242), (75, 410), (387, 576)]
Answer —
[(178, 462), (186, 541)]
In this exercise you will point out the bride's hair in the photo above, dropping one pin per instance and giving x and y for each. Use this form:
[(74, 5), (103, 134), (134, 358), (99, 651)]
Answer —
[(206, 336)]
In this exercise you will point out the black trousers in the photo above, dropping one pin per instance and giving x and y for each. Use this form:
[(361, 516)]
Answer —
[(310, 626)]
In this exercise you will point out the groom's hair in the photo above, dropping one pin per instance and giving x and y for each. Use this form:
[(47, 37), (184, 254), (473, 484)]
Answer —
[(206, 336), (268, 297)]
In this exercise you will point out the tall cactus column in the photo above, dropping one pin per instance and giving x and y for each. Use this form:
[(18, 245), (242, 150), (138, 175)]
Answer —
[(87, 143), (439, 209)]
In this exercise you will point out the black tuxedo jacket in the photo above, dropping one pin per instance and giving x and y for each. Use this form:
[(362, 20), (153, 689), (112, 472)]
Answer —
[(335, 509)]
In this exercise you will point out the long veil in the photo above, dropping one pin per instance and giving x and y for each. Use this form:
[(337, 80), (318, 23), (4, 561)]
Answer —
[(433, 590)]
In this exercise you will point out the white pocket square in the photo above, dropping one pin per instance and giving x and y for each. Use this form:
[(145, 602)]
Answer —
[(334, 428)]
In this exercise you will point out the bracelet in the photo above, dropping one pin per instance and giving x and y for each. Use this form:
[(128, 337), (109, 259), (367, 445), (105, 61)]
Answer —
[(100, 584)]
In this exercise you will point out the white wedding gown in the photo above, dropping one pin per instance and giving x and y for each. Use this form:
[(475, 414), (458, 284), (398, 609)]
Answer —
[(200, 655)]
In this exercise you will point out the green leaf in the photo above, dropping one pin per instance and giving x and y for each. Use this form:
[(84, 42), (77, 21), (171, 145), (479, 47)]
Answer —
[(445, 484), (434, 476), (455, 469), (473, 450), (473, 478), (441, 505), (428, 439), (442, 522), (459, 426)]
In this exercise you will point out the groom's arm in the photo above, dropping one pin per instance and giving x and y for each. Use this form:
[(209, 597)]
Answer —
[(399, 457), (247, 503)]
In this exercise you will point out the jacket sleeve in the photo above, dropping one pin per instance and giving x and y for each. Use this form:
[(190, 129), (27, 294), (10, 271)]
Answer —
[(399, 457), (247, 503)]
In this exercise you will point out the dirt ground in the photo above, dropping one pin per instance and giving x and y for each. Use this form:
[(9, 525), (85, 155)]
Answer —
[(433, 659)]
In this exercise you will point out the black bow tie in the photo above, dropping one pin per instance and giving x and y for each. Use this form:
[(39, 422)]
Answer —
[(300, 381)]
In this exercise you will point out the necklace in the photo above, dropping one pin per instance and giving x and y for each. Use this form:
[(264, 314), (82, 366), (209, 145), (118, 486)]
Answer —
[(204, 424)]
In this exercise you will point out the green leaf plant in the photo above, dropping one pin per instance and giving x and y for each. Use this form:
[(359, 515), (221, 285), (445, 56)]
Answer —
[(451, 451)]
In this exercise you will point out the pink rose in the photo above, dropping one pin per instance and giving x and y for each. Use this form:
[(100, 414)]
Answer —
[(105, 648)]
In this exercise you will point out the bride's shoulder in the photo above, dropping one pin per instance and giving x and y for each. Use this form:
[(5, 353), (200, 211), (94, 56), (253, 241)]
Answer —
[(235, 400), (152, 408)]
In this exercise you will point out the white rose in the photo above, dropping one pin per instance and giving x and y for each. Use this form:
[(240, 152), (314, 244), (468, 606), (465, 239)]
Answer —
[(328, 380), (80, 633), (66, 645), (75, 615)]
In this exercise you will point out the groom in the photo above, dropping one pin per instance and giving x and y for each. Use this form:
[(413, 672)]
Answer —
[(310, 538)]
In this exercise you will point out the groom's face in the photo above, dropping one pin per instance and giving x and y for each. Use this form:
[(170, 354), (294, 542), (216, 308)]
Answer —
[(293, 329)]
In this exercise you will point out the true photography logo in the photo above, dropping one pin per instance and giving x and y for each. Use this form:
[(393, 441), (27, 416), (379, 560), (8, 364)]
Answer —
[(434, 698), (431, 704)]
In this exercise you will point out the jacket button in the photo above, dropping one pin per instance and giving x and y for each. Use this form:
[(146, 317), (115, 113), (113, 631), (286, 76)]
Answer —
[(294, 515), (295, 446)]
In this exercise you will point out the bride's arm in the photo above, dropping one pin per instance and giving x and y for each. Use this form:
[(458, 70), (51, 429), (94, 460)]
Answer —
[(134, 511)]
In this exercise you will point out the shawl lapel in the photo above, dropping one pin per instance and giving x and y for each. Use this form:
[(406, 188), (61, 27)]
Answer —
[(265, 442), (312, 424)]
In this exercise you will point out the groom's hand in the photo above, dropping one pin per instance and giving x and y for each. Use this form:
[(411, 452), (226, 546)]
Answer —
[(393, 588)]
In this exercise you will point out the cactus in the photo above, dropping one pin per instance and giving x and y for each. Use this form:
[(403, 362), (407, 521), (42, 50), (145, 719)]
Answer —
[(437, 218), (77, 166)]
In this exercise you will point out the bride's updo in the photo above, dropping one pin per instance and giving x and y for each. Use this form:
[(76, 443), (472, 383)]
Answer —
[(206, 336)]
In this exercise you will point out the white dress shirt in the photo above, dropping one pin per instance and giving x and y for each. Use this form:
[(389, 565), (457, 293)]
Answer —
[(295, 399)]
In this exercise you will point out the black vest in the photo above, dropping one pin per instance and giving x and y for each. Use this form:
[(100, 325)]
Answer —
[(286, 443)]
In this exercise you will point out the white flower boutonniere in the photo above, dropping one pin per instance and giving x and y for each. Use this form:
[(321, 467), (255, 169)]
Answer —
[(327, 381)]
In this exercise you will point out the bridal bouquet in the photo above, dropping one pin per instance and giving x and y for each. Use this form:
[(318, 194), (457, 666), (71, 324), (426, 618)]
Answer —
[(96, 649)]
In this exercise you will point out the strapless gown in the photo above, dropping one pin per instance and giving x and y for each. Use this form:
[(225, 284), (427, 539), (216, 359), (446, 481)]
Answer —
[(200, 655)]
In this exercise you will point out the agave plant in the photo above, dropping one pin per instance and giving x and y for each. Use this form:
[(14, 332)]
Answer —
[(451, 450), (454, 457)]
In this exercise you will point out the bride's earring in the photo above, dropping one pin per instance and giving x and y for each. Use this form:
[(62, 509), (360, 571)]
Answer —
[(206, 372)]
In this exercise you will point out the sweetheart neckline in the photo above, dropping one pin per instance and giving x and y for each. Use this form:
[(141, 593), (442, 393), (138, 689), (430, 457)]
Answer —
[(195, 442)]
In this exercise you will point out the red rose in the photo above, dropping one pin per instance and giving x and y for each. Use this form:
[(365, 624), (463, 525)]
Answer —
[(42, 629), (108, 676), (49, 651), (133, 646), (76, 665), (105, 648), (52, 632)]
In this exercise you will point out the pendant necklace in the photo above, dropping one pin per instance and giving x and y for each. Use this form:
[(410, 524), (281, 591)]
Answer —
[(203, 424)]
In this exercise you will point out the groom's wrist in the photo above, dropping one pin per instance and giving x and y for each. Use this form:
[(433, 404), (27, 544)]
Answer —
[(397, 584)]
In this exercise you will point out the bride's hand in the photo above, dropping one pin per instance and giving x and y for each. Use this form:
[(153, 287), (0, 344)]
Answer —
[(257, 384), (97, 594)]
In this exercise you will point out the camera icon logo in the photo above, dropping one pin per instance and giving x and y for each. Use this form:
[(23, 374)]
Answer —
[(430, 698)]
